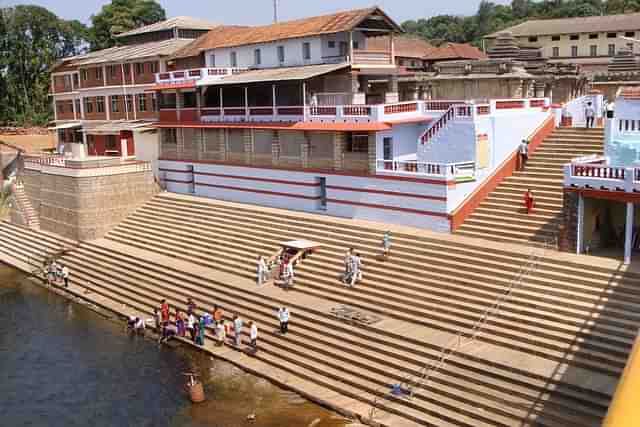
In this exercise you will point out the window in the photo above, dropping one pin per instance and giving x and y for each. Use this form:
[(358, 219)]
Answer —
[(111, 144), (593, 50), (281, 54), (332, 44), (98, 72), (357, 143), (77, 103), (612, 50), (169, 140), (401, 62), (139, 68), (60, 107), (555, 38), (67, 81), (76, 82), (533, 39), (83, 75), (356, 45), (574, 51), (593, 36), (574, 37), (154, 67), (555, 51), (167, 100), (612, 35), (413, 63), (189, 100), (306, 50), (154, 102), (115, 101), (129, 103), (212, 61), (142, 102), (88, 106), (257, 57), (100, 104), (234, 59), (630, 34)]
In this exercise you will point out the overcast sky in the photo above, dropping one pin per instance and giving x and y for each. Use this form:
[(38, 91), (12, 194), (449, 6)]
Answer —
[(255, 12)]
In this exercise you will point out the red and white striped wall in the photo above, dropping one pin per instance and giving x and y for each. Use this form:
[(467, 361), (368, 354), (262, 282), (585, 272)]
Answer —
[(399, 200)]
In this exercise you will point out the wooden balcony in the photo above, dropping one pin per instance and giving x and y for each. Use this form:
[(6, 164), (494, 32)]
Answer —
[(375, 58)]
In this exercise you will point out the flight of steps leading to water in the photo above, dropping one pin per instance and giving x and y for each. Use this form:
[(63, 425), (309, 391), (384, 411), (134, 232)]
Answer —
[(502, 216), (550, 357), (29, 214)]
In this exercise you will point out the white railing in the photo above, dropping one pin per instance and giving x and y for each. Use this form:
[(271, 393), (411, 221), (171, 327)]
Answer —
[(414, 167), (593, 172), (196, 74), (62, 167), (372, 57)]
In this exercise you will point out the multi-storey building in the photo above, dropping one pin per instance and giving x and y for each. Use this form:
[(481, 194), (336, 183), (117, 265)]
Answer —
[(306, 115), (588, 41), (101, 97)]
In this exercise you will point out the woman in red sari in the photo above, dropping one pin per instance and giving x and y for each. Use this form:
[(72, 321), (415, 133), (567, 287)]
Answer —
[(528, 201)]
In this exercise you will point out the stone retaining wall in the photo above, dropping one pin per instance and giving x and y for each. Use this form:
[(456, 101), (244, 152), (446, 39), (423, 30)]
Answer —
[(86, 208)]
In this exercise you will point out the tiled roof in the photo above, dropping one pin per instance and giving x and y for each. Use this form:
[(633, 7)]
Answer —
[(631, 93), (128, 52), (314, 26), (183, 22), (405, 46), (454, 51), (588, 24), (274, 74)]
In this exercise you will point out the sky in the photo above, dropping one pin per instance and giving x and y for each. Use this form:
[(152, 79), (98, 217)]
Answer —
[(256, 12)]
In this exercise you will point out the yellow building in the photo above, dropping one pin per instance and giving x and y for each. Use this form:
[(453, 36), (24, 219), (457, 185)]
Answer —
[(588, 41)]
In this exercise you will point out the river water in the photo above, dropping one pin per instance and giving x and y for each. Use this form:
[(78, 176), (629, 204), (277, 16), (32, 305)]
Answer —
[(62, 364)]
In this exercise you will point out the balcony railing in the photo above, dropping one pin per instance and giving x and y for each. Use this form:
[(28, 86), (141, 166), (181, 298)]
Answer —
[(593, 172), (89, 167), (372, 57), (195, 74), (414, 167)]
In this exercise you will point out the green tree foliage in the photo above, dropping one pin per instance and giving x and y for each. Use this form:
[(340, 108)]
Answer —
[(32, 39), (120, 16), (492, 17)]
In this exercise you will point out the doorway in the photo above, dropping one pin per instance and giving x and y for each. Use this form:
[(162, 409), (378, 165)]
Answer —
[(322, 184)]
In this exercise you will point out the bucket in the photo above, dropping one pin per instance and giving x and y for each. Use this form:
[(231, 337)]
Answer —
[(196, 391)]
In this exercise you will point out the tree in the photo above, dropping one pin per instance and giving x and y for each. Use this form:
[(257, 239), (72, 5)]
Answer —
[(120, 16), (32, 39)]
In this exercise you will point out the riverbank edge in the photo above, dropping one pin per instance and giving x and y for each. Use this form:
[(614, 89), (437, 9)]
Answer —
[(106, 308)]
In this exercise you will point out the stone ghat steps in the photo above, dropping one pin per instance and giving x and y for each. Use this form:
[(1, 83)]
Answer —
[(544, 175), (203, 250), (344, 357)]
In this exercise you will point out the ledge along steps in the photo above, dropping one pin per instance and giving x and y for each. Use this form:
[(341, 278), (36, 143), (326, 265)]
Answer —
[(346, 358), (543, 174)]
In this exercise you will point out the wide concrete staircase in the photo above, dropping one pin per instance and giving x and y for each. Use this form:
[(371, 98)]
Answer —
[(29, 214), (502, 217), (551, 356)]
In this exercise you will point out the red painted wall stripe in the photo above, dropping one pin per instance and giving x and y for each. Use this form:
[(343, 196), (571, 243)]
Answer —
[(385, 192), (249, 190), (390, 208), (178, 181), (253, 178)]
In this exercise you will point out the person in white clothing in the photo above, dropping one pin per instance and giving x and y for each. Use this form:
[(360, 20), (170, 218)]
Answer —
[(590, 114), (356, 269), (254, 336), (288, 275), (283, 317), (191, 322), (262, 270), (65, 276)]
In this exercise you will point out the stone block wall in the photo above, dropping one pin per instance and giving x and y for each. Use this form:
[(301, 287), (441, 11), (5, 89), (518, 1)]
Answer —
[(567, 232), (87, 208)]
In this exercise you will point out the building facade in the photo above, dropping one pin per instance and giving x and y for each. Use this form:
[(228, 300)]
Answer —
[(591, 42)]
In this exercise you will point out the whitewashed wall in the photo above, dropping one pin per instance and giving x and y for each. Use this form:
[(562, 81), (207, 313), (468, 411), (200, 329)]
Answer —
[(414, 203), (147, 146)]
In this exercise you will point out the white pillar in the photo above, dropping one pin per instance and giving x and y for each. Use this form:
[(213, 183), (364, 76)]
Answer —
[(628, 233), (275, 106), (246, 103), (221, 104), (580, 231), (304, 101)]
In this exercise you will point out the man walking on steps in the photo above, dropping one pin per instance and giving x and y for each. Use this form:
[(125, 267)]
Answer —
[(253, 334), (65, 276), (283, 316), (523, 152), (590, 114), (237, 330)]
